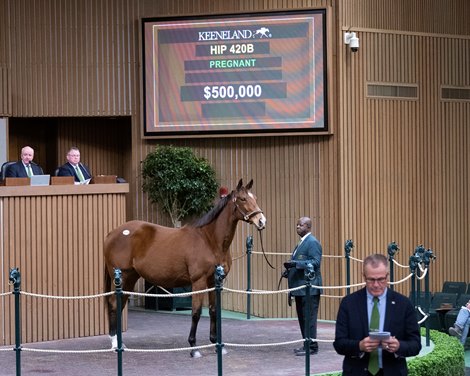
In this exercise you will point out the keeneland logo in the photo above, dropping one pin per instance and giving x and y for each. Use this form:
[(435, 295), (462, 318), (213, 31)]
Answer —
[(214, 35)]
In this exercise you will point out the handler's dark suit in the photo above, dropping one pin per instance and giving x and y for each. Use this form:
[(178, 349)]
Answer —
[(17, 170), (352, 325), (68, 170), (310, 249)]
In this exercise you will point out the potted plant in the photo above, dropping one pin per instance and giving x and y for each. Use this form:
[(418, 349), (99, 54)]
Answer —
[(179, 182)]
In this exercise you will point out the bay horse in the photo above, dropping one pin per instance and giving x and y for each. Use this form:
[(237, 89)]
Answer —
[(177, 257)]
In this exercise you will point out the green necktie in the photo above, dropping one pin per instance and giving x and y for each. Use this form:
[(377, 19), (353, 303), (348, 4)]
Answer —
[(79, 173), (29, 171), (374, 326)]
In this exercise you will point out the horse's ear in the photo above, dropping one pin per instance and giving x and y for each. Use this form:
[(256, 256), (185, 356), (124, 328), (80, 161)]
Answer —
[(240, 184), (249, 185)]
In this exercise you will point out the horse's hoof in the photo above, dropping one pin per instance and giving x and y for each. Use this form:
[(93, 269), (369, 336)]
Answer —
[(196, 354), (224, 351), (114, 342)]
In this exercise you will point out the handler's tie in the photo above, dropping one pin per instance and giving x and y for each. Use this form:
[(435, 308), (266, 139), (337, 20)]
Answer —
[(29, 170), (374, 326), (79, 173), (295, 249)]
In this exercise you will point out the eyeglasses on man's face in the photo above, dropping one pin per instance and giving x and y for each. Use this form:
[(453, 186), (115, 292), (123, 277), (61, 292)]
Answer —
[(376, 280)]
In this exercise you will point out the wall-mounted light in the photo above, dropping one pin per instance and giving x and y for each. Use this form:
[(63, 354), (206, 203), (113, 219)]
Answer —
[(352, 40)]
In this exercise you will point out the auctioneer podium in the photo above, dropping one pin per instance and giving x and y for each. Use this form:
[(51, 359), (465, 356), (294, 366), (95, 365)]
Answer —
[(54, 235)]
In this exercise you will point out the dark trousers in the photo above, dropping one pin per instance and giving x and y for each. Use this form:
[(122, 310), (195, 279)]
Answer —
[(300, 305)]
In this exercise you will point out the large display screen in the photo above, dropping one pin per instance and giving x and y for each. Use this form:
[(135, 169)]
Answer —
[(256, 74)]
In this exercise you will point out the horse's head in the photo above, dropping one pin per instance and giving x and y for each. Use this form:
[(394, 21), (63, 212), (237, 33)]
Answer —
[(246, 207)]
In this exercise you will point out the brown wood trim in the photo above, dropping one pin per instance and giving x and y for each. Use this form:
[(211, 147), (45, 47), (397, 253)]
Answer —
[(54, 190)]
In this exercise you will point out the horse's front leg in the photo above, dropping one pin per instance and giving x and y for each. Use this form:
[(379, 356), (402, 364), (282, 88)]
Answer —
[(213, 317), (196, 315)]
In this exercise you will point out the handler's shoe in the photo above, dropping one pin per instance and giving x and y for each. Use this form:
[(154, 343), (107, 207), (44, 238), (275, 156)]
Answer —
[(455, 331), (302, 352)]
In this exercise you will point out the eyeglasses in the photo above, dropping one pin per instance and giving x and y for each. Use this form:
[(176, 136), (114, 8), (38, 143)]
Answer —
[(74, 155), (379, 280)]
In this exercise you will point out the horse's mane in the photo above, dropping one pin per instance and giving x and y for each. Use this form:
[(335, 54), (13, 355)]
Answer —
[(212, 214)]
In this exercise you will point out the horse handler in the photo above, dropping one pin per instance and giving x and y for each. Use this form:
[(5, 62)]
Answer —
[(308, 250)]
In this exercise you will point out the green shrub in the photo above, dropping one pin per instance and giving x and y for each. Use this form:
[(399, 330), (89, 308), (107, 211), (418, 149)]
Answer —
[(446, 359), (178, 181)]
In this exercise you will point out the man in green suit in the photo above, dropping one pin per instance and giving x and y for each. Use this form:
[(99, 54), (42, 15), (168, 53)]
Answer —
[(307, 251)]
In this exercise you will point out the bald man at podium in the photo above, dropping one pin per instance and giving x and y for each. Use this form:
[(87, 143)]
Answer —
[(25, 167)]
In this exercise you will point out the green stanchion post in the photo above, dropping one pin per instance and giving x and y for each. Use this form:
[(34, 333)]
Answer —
[(15, 279), (348, 247), (118, 289), (249, 250), (309, 275), (392, 249), (219, 277), (414, 260), (427, 257)]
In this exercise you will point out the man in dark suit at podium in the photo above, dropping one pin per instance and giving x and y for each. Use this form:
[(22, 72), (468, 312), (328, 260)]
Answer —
[(74, 168), (24, 168)]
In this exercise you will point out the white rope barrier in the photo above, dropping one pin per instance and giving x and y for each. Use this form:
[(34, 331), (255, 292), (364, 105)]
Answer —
[(190, 293), (423, 275), (401, 280), (34, 295), (272, 344), (400, 265), (272, 253), (355, 259), (265, 344), (52, 351), (290, 254), (424, 314), (238, 257), (333, 296), (180, 294), (167, 294), (186, 294), (171, 350)]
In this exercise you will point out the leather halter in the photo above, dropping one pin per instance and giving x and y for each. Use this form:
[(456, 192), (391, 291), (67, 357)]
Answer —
[(247, 216)]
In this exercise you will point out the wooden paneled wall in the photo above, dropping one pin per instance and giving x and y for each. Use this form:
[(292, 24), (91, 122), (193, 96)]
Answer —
[(405, 162), (393, 170)]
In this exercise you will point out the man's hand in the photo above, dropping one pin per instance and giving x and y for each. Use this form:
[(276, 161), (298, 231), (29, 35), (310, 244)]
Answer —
[(368, 344), (391, 345), (289, 264)]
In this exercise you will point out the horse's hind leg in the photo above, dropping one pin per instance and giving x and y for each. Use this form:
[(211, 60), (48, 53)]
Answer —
[(196, 315), (129, 278), (213, 319)]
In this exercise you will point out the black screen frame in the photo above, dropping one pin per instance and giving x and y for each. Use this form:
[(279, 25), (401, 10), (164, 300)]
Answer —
[(177, 132)]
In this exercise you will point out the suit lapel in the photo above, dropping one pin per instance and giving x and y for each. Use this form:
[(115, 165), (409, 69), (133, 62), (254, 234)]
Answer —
[(362, 308), (389, 309), (298, 250)]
